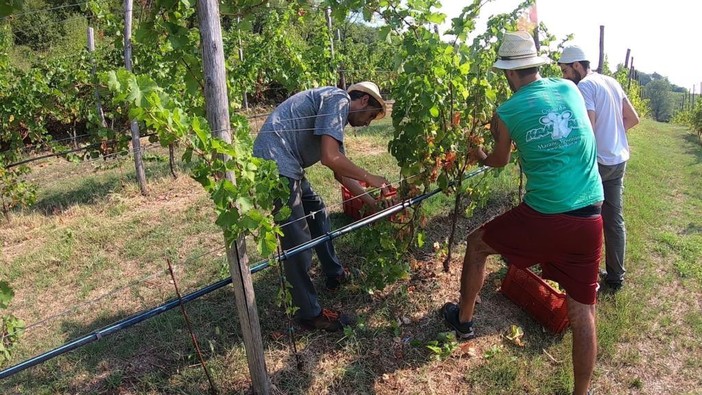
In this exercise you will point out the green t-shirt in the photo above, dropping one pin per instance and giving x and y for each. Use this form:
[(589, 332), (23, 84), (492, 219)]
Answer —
[(549, 125)]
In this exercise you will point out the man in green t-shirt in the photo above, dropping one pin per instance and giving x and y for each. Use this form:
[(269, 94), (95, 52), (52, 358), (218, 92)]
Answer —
[(559, 224)]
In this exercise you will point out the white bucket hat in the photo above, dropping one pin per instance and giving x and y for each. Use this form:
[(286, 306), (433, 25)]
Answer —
[(572, 54), (371, 89), (518, 52)]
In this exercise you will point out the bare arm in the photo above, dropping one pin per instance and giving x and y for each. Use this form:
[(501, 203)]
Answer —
[(592, 116), (502, 150), (342, 167), (356, 189), (631, 118)]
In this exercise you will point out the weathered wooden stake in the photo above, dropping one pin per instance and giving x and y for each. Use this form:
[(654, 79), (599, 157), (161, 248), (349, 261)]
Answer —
[(692, 101), (218, 117), (327, 13), (342, 71), (91, 49), (136, 142), (241, 58), (626, 60), (631, 74)]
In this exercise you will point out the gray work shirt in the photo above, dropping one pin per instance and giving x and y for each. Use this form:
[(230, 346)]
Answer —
[(292, 134)]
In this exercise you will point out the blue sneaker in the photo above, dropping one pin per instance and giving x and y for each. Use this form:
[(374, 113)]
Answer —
[(464, 330)]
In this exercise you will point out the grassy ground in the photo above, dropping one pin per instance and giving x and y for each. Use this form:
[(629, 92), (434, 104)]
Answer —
[(93, 251)]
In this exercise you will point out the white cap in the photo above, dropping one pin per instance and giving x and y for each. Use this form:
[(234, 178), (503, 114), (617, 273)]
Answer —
[(572, 54)]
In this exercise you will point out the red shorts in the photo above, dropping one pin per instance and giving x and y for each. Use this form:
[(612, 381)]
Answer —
[(567, 247)]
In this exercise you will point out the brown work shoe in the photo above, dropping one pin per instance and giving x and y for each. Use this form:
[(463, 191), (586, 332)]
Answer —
[(328, 320)]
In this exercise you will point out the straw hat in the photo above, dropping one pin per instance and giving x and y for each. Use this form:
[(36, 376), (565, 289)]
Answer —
[(518, 52), (371, 89), (572, 54)]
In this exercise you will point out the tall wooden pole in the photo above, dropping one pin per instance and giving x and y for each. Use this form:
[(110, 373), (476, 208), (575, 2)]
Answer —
[(600, 64), (241, 59), (218, 117), (631, 74), (136, 142), (537, 41), (692, 101), (682, 104), (91, 49), (342, 71), (626, 60), (327, 13)]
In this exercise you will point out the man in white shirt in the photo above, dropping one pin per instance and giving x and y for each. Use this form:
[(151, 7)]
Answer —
[(611, 115)]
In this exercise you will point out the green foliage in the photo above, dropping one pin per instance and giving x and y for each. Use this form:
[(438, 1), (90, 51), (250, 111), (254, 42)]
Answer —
[(13, 191), (691, 118), (445, 95), (244, 201), (57, 92), (443, 346), (11, 328), (8, 7), (286, 49), (365, 56), (634, 92), (659, 94), (384, 259), (53, 32)]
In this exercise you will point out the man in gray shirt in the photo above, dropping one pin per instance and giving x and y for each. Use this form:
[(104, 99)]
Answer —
[(305, 129)]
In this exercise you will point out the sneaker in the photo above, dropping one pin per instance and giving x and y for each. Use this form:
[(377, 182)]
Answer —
[(333, 283), (603, 275), (328, 320), (464, 330), (612, 286)]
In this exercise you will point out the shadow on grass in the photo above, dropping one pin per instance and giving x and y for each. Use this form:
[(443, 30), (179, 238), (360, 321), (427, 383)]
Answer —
[(86, 191), (694, 146), (93, 188)]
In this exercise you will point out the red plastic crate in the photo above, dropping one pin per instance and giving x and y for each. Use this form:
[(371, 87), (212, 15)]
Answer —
[(355, 208), (533, 294)]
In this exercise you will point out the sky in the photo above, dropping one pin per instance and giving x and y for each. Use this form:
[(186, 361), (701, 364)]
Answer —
[(664, 36)]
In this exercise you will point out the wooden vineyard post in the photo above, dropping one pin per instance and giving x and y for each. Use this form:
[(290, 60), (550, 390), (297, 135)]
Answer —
[(342, 71), (327, 13), (631, 74), (217, 107), (626, 59), (91, 49), (241, 59), (134, 126)]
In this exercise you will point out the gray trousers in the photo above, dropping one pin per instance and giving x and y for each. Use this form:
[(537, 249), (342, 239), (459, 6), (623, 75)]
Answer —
[(613, 220), (297, 230)]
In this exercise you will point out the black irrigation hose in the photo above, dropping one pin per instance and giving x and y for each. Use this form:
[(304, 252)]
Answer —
[(137, 318)]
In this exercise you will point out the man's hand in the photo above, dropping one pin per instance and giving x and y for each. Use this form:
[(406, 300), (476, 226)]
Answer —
[(378, 182), (477, 154)]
